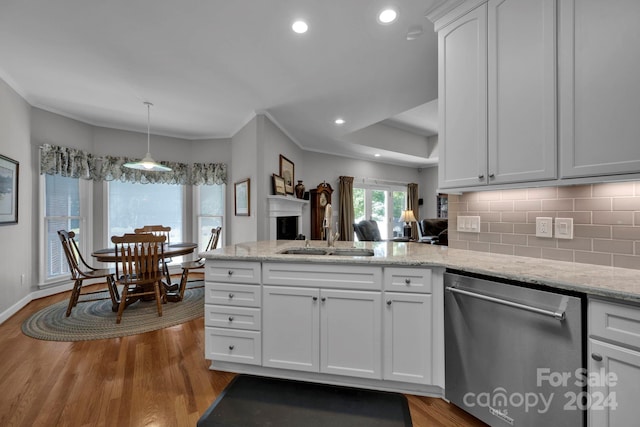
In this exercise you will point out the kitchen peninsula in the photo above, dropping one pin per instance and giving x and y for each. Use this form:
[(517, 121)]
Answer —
[(371, 321)]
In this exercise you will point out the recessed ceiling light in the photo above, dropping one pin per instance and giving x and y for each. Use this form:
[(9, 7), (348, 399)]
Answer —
[(377, 155), (387, 16), (300, 27), (339, 121)]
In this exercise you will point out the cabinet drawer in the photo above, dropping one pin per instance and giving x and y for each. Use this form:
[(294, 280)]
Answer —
[(232, 294), (323, 276), (614, 322), (407, 280), (232, 271), (233, 346), (224, 316)]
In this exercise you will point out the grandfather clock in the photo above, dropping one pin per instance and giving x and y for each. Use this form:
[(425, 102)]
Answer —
[(320, 197)]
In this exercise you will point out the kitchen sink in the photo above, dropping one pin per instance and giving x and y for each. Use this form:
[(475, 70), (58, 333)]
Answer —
[(352, 252), (304, 251), (328, 251)]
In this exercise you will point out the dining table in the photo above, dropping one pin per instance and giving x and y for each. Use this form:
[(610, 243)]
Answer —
[(171, 250)]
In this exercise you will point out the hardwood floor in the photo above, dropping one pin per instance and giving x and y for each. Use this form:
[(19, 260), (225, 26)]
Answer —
[(155, 379)]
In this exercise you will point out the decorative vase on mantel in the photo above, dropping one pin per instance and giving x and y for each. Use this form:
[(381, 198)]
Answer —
[(300, 190)]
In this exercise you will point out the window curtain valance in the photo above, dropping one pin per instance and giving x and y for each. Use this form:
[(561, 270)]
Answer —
[(68, 162), (208, 173), (75, 163)]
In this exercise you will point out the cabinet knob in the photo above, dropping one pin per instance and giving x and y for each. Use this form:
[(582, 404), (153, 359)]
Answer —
[(492, 175), (323, 299), (389, 302), (230, 272), (315, 298), (407, 281), (597, 357), (231, 296), (480, 176), (231, 347), (230, 318)]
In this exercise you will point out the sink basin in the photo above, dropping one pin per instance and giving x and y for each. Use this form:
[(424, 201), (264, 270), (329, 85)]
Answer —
[(304, 251), (328, 251), (352, 252)]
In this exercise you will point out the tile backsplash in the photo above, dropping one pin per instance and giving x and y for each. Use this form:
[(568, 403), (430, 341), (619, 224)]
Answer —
[(606, 220)]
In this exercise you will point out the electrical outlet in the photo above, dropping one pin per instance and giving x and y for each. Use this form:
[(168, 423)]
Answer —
[(22, 277), (544, 226), (564, 228)]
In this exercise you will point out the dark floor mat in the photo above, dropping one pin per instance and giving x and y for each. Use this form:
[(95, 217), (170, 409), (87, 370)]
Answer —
[(250, 401)]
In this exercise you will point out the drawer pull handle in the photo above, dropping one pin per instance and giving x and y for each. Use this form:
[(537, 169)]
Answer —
[(389, 303), (230, 272), (315, 298), (231, 296), (492, 175), (230, 318), (480, 176), (407, 281), (597, 357), (231, 347), (323, 299)]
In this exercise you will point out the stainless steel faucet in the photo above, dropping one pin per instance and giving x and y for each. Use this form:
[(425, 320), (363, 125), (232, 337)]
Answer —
[(326, 224)]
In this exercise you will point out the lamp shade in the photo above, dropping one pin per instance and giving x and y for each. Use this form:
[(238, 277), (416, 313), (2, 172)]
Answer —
[(147, 163), (408, 216)]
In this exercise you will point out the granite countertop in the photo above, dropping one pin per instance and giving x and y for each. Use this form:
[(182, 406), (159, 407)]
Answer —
[(618, 283)]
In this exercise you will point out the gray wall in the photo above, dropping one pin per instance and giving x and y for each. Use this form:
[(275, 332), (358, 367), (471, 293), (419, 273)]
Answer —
[(18, 253)]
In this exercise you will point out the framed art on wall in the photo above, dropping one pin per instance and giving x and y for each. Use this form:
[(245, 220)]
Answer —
[(278, 185), (8, 190), (287, 172), (242, 197)]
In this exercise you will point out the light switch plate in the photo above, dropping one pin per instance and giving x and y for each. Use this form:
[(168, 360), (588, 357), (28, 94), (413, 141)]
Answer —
[(564, 228), (469, 224), (544, 226)]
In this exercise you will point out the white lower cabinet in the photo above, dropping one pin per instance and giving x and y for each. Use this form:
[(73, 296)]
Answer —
[(614, 364), (407, 337), (322, 330)]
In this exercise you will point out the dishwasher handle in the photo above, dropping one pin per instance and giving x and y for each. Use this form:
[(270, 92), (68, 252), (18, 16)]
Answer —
[(560, 315)]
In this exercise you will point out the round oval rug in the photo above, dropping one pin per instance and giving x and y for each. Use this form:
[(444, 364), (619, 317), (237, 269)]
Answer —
[(94, 320)]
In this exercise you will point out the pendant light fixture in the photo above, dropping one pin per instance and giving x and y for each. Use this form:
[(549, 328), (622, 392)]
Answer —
[(147, 163)]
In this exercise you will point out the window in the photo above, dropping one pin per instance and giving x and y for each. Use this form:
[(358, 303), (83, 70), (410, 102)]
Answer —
[(133, 205), (65, 207), (383, 204), (209, 208)]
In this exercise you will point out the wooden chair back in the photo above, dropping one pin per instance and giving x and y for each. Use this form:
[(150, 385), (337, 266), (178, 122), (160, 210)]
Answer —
[(213, 240), (140, 257), (157, 230), (72, 253)]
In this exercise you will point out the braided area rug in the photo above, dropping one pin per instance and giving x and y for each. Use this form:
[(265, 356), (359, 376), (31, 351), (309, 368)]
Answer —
[(94, 320)]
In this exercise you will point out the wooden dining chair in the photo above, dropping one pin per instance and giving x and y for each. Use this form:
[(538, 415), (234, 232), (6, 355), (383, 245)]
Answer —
[(139, 268), (199, 263), (159, 230), (81, 271)]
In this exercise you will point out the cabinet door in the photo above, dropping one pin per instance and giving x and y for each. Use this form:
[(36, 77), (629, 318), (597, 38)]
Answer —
[(350, 333), (462, 99), (620, 405), (290, 328), (599, 65), (407, 337), (522, 90)]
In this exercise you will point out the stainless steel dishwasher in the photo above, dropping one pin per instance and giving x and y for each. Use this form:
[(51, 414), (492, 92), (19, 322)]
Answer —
[(514, 354)]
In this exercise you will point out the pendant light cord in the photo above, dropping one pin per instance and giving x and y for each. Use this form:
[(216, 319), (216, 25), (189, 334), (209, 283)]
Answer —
[(148, 126)]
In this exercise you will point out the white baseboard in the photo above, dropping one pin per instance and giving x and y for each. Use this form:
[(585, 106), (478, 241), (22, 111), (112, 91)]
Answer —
[(33, 296)]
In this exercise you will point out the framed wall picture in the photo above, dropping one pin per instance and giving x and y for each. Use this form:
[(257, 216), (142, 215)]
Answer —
[(287, 172), (242, 193), (8, 190), (278, 185)]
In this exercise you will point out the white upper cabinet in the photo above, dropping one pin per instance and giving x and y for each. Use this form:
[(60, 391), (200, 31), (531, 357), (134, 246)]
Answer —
[(599, 65), (462, 99), (522, 90), (498, 94)]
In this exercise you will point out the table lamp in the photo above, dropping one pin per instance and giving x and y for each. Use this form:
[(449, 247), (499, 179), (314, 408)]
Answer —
[(407, 217)]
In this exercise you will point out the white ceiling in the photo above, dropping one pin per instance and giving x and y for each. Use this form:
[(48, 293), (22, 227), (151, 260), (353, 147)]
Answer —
[(209, 66)]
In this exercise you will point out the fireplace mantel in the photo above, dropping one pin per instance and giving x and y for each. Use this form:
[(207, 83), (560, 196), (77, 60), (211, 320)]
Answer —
[(279, 206)]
